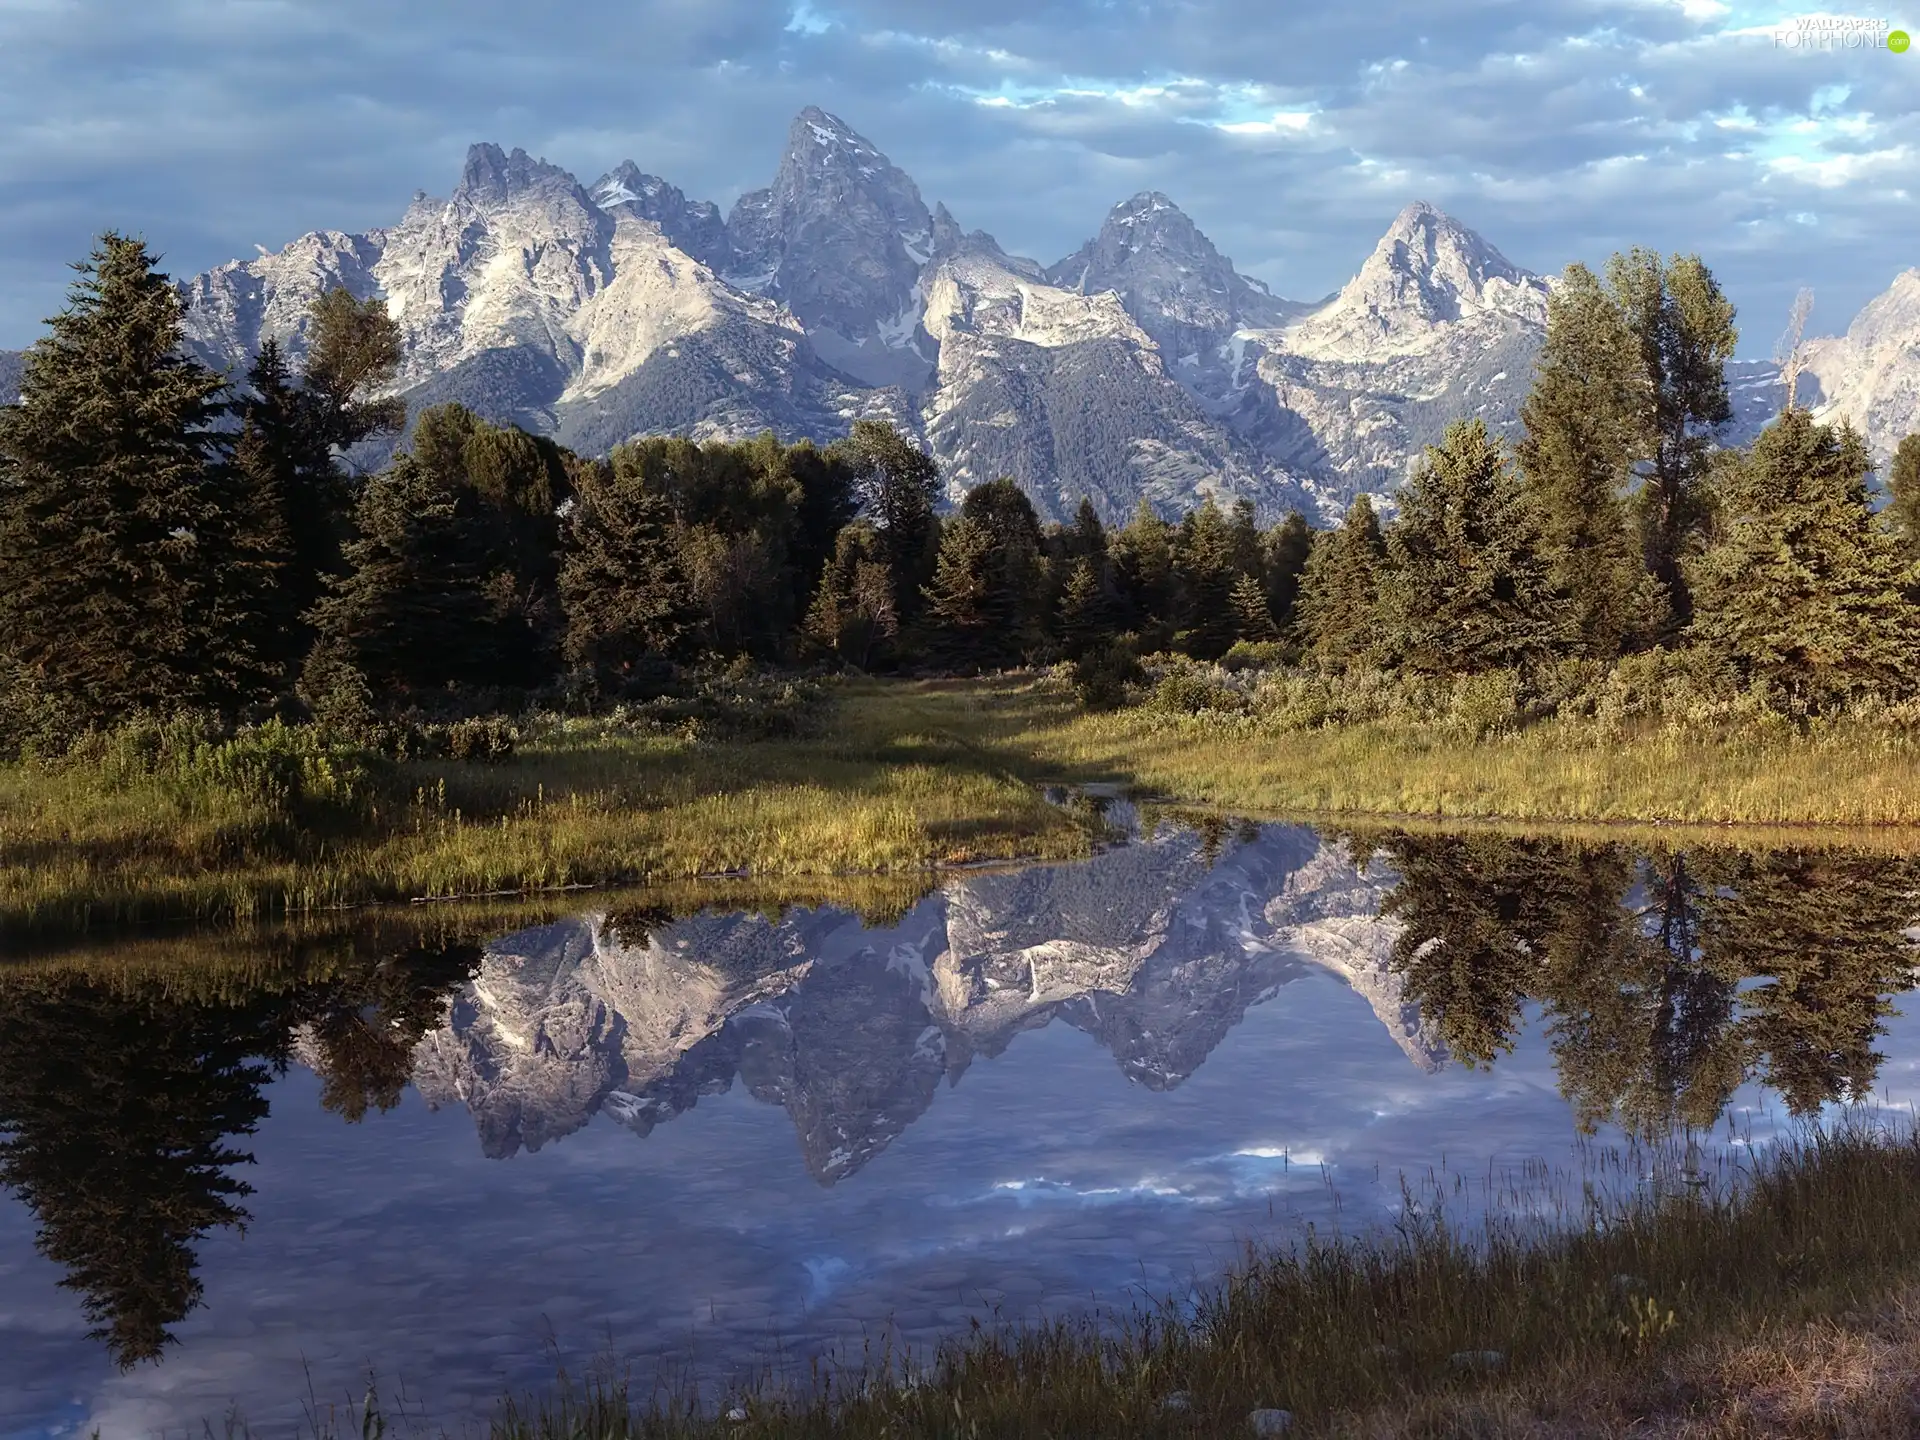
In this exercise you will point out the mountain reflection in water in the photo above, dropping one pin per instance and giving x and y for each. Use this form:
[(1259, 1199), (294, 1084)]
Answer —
[(1662, 980)]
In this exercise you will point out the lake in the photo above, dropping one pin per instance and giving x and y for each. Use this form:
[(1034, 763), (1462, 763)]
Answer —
[(686, 1139)]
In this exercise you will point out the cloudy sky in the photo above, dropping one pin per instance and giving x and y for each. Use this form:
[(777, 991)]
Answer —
[(1561, 129)]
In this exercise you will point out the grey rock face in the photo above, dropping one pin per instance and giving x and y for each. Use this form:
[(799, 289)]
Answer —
[(840, 238), (1871, 375), (1171, 279), (1156, 950), (692, 226)]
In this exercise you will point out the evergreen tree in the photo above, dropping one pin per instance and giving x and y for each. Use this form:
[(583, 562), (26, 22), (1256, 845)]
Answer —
[(1683, 326), (292, 430), (1466, 586), (1801, 587), (128, 572), (620, 584), (1016, 574), (1252, 617), (1143, 574), (365, 1023), (1284, 560), (1087, 605), (1087, 537), (1903, 490), (1207, 550), (898, 484), (1576, 463), (959, 616), (852, 613), (454, 577), (1338, 609)]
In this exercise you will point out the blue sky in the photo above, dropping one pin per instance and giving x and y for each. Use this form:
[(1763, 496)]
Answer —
[(1561, 129)]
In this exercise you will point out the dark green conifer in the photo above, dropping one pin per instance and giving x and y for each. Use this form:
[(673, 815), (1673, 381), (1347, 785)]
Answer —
[(119, 539), (1683, 326), (1467, 587), (1903, 490), (898, 484), (1207, 550), (1142, 554), (1284, 561), (852, 615), (1337, 612), (1576, 462), (621, 589), (958, 616), (1252, 617), (1801, 587)]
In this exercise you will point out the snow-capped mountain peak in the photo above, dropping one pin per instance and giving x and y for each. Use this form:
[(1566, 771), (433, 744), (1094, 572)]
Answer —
[(1427, 273)]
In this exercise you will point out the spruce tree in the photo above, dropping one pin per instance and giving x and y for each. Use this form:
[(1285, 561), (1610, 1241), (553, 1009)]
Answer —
[(898, 484), (1801, 587), (1207, 550), (1085, 620), (958, 613), (1252, 617), (1337, 612), (1467, 588), (1284, 560), (1016, 578), (1142, 554), (118, 534), (1903, 490), (453, 579), (852, 613), (1683, 326), (1576, 463), (620, 585)]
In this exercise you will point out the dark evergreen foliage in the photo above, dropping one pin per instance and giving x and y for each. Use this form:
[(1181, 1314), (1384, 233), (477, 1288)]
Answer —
[(1338, 610)]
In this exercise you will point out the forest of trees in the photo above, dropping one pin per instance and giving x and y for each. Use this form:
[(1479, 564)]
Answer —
[(174, 540)]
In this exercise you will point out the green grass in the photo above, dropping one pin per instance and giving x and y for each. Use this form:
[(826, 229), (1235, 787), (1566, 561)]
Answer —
[(894, 781), (1371, 1335), (899, 776)]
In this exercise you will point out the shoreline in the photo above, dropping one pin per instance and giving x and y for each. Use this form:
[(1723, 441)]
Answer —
[(899, 779)]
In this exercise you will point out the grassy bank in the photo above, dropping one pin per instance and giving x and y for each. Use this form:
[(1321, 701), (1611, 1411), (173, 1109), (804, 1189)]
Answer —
[(1751, 769), (890, 777), (1780, 1306)]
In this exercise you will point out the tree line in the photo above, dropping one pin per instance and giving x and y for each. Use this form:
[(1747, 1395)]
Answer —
[(171, 540)]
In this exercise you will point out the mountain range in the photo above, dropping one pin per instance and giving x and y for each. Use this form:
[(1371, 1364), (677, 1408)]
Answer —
[(1143, 365), (1155, 949)]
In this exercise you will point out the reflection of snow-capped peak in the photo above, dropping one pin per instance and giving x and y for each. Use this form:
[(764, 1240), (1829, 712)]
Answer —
[(1156, 948)]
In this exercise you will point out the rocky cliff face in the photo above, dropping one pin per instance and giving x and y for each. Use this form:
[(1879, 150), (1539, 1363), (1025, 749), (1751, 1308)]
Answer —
[(1156, 949), (1871, 375), (1141, 366)]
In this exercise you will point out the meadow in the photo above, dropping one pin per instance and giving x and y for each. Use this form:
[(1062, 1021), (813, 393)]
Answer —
[(163, 823)]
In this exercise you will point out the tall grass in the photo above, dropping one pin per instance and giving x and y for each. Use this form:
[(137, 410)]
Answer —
[(159, 823), (1380, 1334), (156, 825)]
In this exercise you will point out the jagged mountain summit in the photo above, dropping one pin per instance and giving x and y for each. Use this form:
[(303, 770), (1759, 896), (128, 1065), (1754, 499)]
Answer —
[(1144, 365), (1871, 375), (1156, 950)]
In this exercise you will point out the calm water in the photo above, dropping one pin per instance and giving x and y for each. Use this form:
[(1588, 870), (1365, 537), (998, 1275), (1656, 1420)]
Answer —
[(749, 1139)]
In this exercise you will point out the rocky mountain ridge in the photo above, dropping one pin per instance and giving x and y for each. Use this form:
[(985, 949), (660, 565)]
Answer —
[(1156, 949), (1143, 365)]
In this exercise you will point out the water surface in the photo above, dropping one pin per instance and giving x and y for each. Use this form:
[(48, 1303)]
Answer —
[(737, 1139)]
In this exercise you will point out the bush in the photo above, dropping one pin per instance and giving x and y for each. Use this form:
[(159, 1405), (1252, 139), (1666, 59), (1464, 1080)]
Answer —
[(488, 741), (1102, 677)]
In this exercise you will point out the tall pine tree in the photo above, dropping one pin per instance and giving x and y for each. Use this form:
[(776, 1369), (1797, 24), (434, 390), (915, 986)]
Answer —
[(1576, 462), (1903, 490), (1337, 613), (1801, 586), (624, 597), (1467, 587), (129, 562)]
